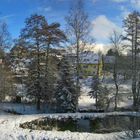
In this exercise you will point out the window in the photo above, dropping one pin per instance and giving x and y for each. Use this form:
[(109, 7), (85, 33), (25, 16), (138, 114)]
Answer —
[(85, 66)]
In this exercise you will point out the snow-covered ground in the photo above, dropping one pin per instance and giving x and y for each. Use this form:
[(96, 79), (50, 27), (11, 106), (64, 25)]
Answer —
[(86, 102), (9, 124), (23, 108), (10, 130)]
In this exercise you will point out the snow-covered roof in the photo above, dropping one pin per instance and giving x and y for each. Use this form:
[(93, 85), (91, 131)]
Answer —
[(89, 57)]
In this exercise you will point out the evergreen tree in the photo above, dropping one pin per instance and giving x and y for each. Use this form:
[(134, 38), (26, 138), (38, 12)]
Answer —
[(112, 52), (132, 29), (41, 37), (31, 82), (50, 79), (33, 33), (6, 81), (100, 93), (66, 90), (52, 36)]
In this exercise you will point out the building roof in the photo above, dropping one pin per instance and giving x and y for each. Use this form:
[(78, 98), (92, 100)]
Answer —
[(89, 57)]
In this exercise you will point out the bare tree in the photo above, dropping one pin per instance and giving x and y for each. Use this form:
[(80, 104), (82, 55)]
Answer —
[(115, 40), (78, 29), (6, 79), (4, 36)]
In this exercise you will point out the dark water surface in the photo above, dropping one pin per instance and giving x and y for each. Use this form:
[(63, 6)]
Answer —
[(96, 125)]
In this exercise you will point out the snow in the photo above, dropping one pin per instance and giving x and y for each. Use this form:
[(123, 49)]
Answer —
[(89, 57), (88, 103), (23, 108), (10, 130), (85, 100), (9, 124)]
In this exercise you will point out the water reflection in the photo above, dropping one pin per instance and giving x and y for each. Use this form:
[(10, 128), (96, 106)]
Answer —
[(96, 125)]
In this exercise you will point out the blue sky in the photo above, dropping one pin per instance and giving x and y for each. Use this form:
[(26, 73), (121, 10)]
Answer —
[(105, 15)]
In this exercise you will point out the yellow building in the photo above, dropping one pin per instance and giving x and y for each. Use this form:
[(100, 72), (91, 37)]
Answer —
[(91, 64)]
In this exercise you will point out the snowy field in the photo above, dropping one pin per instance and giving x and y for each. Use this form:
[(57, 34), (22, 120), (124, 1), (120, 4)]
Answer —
[(86, 102), (10, 130)]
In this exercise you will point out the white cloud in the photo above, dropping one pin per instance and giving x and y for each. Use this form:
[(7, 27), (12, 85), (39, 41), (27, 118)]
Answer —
[(45, 9), (102, 28), (136, 3), (7, 16), (119, 1), (99, 47)]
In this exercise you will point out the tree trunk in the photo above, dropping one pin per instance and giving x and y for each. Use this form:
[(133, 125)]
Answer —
[(47, 72), (77, 75), (38, 77), (96, 100), (38, 104), (116, 83), (116, 97), (134, 79)]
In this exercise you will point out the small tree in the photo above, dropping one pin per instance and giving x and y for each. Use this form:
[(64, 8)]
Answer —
[(115, 40), (6, 82), (66, 90), (100, 93), (4, 36)]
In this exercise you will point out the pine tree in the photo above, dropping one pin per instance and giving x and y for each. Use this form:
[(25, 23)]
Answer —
[(33, 33), (52, 36), (50, 79), (66, 90)]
